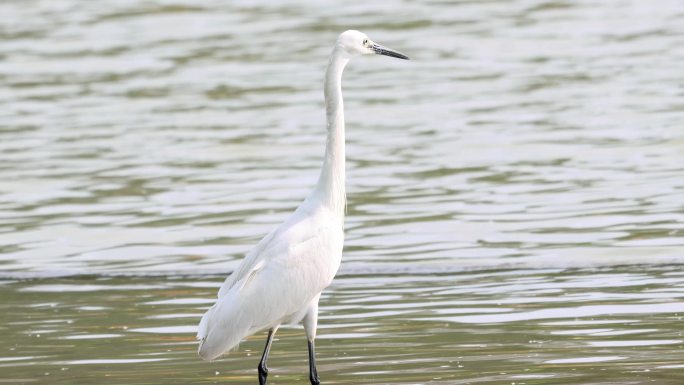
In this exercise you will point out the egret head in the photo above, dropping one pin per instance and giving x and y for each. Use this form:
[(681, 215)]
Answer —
[(355, 43)]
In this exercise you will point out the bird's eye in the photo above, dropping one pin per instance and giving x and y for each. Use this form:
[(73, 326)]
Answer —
[(365, 41)]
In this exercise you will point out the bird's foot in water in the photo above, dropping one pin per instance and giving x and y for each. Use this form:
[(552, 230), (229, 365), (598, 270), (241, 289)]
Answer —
[(263, 373)]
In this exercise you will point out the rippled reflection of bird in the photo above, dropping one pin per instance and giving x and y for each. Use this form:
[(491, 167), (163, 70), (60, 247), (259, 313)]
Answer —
[(281, 279)]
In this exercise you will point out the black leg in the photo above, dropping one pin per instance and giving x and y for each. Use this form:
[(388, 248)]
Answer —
[(313, 375), (263, 370)]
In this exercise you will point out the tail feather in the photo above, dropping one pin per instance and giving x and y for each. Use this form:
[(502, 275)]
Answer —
[(222, 328)]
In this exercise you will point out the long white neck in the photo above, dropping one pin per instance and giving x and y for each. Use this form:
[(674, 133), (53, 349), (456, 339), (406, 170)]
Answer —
[(330, 189)]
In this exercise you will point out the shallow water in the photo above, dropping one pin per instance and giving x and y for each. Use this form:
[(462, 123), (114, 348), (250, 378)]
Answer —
[(515, 192), (616, 325)]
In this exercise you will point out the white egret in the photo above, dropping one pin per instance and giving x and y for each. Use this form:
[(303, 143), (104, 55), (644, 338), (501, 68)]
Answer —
[(281, 279)]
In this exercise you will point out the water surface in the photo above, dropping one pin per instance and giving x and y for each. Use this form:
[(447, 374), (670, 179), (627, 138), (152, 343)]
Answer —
[(515, 192), (542, 326)]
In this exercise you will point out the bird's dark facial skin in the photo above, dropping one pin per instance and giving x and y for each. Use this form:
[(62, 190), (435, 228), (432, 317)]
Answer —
[(380, 50)]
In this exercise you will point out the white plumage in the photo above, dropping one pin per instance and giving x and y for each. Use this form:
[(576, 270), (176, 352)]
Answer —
[(280, 281)]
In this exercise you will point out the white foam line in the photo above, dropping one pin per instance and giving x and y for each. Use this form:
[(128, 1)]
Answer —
[(555, 262)]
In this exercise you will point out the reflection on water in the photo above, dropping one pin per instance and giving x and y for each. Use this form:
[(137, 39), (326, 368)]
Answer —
[(492, 327), (499, 185), (171, 136)]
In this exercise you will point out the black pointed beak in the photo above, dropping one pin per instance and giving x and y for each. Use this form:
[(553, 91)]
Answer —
[(381, 50)]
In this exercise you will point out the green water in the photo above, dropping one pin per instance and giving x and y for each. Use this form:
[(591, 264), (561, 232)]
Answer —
[(618, 325), (515, 192)]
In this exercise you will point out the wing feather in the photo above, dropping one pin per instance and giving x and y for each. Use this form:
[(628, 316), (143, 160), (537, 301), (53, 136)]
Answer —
[(296, 229)]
